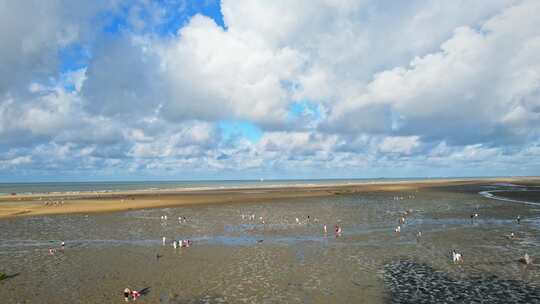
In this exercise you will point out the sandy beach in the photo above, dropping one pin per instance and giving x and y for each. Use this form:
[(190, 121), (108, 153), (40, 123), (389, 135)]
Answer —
[(90, 202), (269, 245)]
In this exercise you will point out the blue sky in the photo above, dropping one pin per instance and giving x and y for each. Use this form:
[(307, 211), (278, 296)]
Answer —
[(176, 13), (179, 89)]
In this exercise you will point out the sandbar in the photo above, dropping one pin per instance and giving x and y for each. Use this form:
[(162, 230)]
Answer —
[(96, 202)]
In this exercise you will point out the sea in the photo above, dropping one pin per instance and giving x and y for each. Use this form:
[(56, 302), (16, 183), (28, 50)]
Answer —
[(115, 186)]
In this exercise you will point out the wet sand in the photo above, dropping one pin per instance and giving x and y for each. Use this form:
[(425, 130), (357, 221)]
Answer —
[(238, 260), (90, 202)]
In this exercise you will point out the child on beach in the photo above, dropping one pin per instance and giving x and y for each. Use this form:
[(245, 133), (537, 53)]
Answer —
[(457, 257), (135, 295), (186, 243), (127, 293)]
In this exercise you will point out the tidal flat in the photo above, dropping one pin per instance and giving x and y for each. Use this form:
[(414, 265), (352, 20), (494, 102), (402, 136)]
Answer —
[(254, 252)]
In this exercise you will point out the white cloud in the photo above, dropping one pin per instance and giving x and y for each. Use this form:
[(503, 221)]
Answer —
[(191, 139), (400, 145), (14, 162), (208, 68), (33, 32), (461, 93)]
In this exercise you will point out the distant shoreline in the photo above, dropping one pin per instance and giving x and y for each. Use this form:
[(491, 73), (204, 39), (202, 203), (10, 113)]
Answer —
[(93, 202), (81, 187)]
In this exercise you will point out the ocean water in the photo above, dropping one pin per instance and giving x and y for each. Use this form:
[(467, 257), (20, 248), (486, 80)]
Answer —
[(52, 187)]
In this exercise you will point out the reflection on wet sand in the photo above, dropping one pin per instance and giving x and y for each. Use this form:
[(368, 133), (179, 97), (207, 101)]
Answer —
[(261, 253)]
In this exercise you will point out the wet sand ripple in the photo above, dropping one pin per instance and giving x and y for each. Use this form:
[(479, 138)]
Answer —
[(412, 282)]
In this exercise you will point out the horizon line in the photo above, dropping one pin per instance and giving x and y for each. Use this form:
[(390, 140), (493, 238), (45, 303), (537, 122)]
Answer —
[(268, 179)]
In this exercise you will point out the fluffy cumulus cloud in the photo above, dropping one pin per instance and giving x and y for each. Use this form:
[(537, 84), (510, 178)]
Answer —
[(244, 89), (476, 88)]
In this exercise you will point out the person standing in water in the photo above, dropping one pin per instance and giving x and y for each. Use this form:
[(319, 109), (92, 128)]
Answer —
[(518, 219), (473, 216), (338, 230)]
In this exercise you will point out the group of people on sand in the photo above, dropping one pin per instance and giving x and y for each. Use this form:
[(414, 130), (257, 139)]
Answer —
[(399, 198), (401, 221), (250, 217), (337, 230), (181, 219), (179, 243), (133, 294), (52, 250), (457, 257), (526, 259), (182, 243), (53, 203)]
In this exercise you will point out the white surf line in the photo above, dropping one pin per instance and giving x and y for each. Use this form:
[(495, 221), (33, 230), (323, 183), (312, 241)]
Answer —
[(489, 194)]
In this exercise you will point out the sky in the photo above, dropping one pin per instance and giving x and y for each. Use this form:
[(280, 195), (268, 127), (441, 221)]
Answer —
[(249, 89)]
